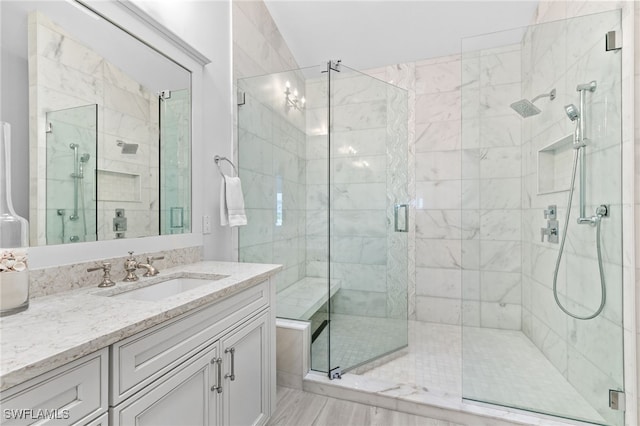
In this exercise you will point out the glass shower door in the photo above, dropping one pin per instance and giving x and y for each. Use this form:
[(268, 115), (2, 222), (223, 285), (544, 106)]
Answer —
[(368, 218), (520, 349), (175, 162), (72, 136)]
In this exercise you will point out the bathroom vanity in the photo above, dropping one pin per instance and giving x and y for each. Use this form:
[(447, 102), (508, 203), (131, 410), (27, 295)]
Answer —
[(194, 345)]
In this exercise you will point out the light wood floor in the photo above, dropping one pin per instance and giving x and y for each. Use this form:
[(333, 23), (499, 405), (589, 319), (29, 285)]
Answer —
[(298, 408)]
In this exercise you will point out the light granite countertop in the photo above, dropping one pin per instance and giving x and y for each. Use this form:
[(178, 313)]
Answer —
[(60, 328)]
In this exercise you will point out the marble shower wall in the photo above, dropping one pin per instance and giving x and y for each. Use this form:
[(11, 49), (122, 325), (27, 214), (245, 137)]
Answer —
[(491, 188), (64, 73), (460, 201)]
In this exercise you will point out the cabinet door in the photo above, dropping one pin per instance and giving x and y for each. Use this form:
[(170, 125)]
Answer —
[(246, 380), (103, 420), (184, 397)]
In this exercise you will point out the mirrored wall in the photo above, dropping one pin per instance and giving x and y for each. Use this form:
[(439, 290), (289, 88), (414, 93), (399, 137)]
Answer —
[(64, 57)]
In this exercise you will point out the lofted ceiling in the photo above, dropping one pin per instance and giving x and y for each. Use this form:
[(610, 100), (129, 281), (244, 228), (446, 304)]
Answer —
[(369, 34)]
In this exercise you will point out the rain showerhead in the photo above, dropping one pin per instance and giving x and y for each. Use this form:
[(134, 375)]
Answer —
[(526, 108), (128, 148), (572, 112)]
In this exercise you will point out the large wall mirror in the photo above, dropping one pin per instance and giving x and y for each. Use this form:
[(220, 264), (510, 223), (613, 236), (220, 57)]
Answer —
[(107, 122)]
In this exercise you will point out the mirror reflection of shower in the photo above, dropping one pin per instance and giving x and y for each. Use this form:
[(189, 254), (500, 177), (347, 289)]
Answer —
[(580, 143), (79, 163), (71, 137)]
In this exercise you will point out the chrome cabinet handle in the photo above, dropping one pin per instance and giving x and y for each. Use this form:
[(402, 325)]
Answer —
[(231, 376), (396, 224), (218, 386)]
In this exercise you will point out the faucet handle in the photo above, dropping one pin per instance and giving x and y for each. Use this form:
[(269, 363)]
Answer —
[(106, 277), (543, 232), (150, 260)]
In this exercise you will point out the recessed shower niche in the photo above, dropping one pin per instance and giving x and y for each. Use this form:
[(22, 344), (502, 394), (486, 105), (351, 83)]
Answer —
[(554, 174)]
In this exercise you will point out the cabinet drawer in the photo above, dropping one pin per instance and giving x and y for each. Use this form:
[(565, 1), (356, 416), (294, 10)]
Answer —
[(144, 357), (70, 394)]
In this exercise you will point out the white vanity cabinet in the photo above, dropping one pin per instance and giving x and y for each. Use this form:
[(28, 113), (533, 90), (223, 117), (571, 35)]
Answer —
[(74, 394), (212, 365), (209, 367)]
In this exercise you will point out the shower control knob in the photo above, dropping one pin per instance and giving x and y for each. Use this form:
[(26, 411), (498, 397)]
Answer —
[(551, 212), (551, 231)]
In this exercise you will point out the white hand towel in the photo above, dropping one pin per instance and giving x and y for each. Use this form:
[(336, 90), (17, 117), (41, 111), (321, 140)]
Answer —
[(231, 202)]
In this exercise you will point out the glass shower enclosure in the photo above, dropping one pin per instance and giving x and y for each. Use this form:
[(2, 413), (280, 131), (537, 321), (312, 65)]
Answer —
[(322, 153)]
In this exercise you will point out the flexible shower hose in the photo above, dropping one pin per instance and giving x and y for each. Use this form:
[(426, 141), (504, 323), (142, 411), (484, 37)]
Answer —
[(598, 220)]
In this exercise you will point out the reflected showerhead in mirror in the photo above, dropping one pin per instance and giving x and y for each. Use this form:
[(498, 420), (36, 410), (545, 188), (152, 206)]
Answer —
[(526, 108), (128, 148), (572, 112)]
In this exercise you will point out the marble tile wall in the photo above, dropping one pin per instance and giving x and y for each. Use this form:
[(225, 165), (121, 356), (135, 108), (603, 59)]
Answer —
[(446, 179), (491, 188), (126, 111), (438, 188)]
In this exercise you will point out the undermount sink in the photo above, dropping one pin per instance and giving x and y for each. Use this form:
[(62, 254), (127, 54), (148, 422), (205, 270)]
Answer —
[(168, 288)]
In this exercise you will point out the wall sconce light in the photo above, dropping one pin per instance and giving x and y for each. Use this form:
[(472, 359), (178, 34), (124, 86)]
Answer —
[(291, 98)]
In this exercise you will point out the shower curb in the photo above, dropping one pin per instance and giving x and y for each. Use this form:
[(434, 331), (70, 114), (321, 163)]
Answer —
[(422, 402)]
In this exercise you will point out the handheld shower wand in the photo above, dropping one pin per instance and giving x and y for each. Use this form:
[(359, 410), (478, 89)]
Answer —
[(579, 144), (75, 176)]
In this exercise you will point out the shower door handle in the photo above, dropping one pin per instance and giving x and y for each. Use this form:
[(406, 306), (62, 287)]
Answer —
[(401, 224)]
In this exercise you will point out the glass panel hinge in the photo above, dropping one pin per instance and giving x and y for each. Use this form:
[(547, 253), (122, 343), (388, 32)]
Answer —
[(613, 41), (616, 400), (335, 373)]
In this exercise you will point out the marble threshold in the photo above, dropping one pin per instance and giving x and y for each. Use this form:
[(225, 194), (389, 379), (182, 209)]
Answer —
[(417, 400), (60, 328)]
